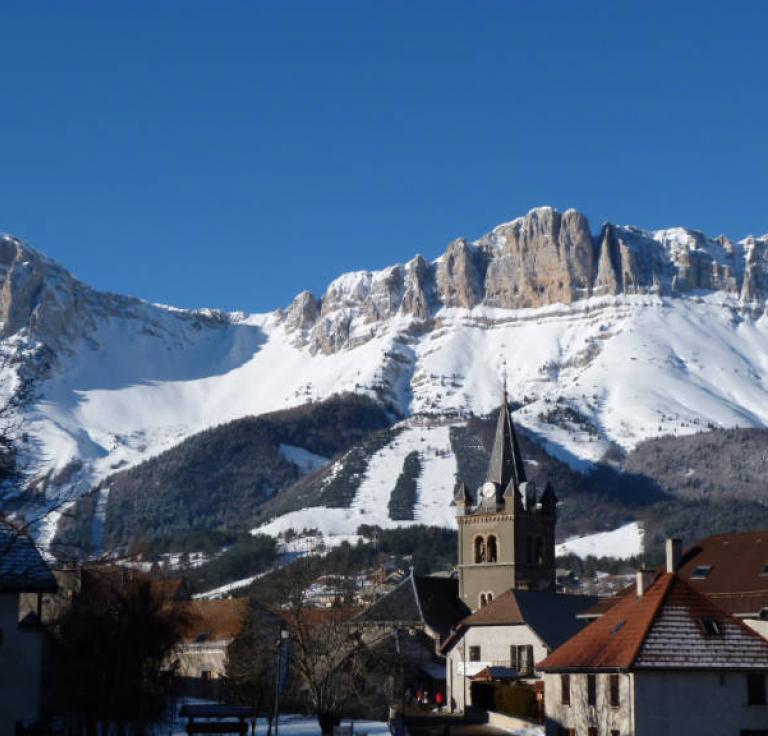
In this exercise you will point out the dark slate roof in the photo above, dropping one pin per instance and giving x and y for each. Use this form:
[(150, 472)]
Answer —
[(22, 568), (506, 461), (419, 601), (551, 615)]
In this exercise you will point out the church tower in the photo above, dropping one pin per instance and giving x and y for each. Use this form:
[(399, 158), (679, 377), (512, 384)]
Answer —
[(506, 531)]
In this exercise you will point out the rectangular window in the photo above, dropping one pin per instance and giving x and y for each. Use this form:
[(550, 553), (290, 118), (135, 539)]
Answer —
[(613, 686), (592, 731), (565, 689), (525, 659), (756, 688), (591, 690), (701, 572), (615, 732), (474, 654), (205, 675)]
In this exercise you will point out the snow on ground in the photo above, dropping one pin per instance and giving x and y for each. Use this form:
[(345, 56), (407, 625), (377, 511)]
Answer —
[(306, 461), (290, 724), (626, 541), (370, 504)]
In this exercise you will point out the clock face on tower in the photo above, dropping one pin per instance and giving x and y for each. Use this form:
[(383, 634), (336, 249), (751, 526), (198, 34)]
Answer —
[(488, 491)]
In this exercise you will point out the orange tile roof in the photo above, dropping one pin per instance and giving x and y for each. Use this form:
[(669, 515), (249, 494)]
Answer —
[(661, 629), (216, 620)]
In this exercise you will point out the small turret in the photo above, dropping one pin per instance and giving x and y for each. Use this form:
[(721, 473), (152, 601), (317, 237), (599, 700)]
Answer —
[(461, 499), (549, 501)]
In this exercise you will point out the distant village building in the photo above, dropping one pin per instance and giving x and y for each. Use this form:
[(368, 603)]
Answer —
[(22, 570), (200, 660), (663, 660)]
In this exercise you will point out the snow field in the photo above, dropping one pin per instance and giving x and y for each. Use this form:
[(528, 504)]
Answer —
[(624, 542)]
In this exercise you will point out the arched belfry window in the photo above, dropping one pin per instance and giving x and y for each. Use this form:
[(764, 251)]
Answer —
[(480, 551), (492, 548), (483, 600)]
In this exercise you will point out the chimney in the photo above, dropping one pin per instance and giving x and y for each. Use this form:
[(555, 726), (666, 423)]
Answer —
[(644, 580), (674, 554)]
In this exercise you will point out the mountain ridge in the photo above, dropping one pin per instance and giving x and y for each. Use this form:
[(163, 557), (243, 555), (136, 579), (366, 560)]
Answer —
[(609, 339)]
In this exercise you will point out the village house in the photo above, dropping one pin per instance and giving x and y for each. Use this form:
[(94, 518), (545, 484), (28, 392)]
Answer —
[(502, 641), (22, 570), (730, 569), (209, 626), (662, 660)]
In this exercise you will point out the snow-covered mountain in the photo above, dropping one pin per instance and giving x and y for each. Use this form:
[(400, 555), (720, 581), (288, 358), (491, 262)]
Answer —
[(608, 338)]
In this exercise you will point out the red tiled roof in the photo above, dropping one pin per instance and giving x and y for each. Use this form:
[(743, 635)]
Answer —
[(215, 620), (661, 629)]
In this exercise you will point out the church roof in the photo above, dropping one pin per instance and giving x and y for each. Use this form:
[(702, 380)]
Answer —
[(506, 461), (551, 615), (419, 601), (22, 567), (671, 626)]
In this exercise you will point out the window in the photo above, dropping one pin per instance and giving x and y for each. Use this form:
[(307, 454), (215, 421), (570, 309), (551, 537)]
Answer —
[(701, 572), (619, 626), (613, 688), (474, 654), (756, 688), (492, 548), (765, 569), (483, 600), (525, 657), (565, 689), (592, 731), (479, 549), (615, 732), (205, 675), (591, 690), (490, 597), (711, 626)]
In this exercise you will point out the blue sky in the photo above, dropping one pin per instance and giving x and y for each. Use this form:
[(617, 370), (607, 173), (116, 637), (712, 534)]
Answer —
[(231, 154)]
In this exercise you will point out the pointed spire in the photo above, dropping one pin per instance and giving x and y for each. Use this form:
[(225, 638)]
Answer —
[(549, 500), (461, 496), (506, 462)]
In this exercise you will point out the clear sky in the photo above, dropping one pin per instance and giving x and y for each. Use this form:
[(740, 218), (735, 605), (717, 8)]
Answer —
[(231, 154)]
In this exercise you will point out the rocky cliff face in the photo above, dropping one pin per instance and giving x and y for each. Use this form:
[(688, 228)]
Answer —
[(46, 311), (545, 257)]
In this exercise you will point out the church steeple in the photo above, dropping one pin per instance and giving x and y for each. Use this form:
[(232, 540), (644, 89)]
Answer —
[(506, 464)]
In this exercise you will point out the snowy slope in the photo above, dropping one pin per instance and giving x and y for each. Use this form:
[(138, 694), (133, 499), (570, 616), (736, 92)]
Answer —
[(624, 542), (370, 504), (134, 379)]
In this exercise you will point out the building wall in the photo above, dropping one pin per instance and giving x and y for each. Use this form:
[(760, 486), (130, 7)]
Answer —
[(20, 667), (701, 703), (758, 625), (579, 714), (494, 643), (194, 659)]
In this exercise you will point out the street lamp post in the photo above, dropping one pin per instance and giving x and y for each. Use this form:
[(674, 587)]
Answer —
[(281, 640)]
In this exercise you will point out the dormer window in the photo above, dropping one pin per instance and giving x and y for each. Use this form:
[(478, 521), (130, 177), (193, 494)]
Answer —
[(711, 626), (701, 572), (765, 569)]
